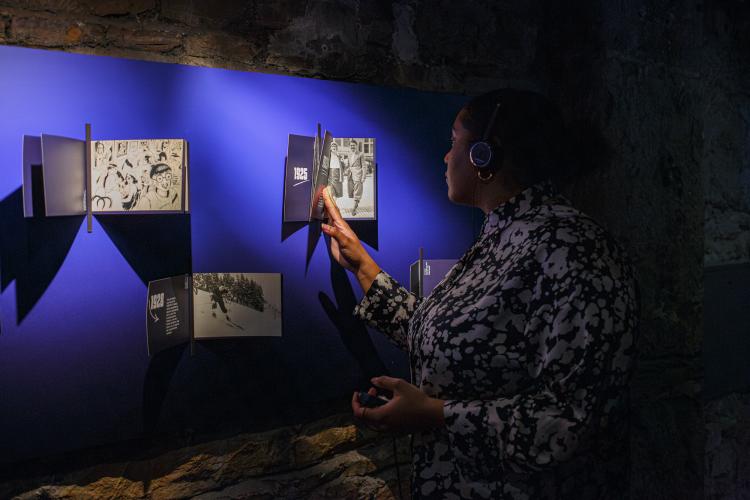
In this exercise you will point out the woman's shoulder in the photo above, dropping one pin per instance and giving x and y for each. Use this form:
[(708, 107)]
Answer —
[(559, 228), (558, 219)]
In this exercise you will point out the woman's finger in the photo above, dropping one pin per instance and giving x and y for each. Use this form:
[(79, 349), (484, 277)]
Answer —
[(356, 406), (333, 210), (334, 233), (384, 382)]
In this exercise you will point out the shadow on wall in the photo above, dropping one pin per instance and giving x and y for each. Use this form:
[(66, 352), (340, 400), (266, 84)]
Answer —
[(31, 250), (156, 246), (235, 382), (366, 231), (225, 387), (352, 331)]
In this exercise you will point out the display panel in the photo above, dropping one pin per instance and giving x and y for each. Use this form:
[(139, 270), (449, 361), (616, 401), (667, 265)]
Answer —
[(145, 175), (432, 273), (73, 366), (63, 167), (346, 164), (32, 158)]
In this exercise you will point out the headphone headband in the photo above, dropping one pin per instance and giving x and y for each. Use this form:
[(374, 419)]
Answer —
[(488, 128), (480, 153)]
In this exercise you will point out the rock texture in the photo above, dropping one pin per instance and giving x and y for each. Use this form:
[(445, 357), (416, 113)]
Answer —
[(329, 458), (665, 83), (727, 442)]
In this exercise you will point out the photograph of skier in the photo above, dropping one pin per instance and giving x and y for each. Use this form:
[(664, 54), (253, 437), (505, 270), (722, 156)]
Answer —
[(236, 305)]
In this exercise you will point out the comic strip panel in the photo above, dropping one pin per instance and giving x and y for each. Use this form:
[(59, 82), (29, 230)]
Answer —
[(137, 175), (236, 305), (352, 176)]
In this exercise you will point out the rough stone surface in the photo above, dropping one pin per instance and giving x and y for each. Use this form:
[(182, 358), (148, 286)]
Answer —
[(329, 458), (726, 136), (727, 444), (666, 85), (134, 37)]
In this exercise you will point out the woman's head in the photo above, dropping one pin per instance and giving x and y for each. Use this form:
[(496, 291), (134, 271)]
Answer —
[(527, 136)]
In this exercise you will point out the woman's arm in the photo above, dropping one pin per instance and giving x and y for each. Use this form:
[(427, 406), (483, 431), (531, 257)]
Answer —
[(346, 248), (583, 363), (386, 306)]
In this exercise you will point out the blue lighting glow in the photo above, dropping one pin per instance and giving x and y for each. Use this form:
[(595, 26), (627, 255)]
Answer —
[(72, 372)]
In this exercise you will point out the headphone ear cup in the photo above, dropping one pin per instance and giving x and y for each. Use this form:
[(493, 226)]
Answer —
[(480, 155)]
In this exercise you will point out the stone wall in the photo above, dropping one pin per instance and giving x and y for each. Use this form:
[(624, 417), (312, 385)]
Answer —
[(726, 183), (665, 83), (328, 458), (427, 45), (727, 442), (726, 139)]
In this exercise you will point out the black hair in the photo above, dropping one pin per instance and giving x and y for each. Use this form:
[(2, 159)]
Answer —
[(528, 136), (129, 205), (159, 168)]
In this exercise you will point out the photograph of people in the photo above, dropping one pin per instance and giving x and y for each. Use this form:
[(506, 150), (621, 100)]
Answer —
[(355, 191), (356, 171), (521, 357)]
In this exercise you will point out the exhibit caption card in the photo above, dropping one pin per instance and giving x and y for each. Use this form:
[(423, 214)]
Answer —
[(213, 306)]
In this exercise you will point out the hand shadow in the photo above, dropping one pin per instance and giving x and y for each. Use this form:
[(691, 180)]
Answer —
[(353, 332)]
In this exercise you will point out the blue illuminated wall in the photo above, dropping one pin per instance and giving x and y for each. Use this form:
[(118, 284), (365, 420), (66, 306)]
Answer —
[(74, 371)]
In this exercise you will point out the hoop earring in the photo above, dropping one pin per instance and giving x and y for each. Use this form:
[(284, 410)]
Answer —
[(489, 176)]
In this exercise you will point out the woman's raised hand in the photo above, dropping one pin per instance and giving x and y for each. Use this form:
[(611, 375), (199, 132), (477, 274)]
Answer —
[(346, 248)]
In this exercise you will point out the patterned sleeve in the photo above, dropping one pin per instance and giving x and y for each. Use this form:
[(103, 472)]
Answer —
[(580, 358), (387, 306)]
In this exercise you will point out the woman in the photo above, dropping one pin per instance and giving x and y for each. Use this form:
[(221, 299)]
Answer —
[(521, 356)]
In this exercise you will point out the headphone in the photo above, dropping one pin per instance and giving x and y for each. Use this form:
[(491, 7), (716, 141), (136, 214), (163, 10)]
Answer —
[(480, 152)]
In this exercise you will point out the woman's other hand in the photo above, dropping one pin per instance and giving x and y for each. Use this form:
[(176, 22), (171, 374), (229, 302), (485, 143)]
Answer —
[(408, 410)]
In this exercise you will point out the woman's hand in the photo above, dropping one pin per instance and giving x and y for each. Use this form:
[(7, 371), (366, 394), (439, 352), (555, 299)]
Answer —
[(346, 248), (409, 409)]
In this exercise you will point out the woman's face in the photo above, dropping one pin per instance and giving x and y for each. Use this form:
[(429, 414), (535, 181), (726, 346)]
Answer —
[(460, 174)]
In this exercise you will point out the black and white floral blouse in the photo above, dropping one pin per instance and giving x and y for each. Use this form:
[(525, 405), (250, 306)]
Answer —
[(529, 340)]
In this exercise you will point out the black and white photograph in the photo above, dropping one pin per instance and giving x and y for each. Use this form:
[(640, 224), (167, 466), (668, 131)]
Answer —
[(227, 305), (352, 175), (137, 175)]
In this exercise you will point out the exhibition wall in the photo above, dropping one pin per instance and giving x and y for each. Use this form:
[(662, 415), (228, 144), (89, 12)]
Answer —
[(74, 368)]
